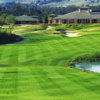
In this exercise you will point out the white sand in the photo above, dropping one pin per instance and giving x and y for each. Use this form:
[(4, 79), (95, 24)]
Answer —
[(49, 27), (72, 34)]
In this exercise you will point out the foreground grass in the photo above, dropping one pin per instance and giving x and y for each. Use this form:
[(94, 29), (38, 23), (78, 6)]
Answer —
[(38, 69), (48, 83)]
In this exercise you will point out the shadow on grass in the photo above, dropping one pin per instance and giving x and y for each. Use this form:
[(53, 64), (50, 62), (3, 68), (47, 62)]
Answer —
[(5, 65)]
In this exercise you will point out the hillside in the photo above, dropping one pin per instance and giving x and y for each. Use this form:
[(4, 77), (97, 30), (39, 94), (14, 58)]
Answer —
[(55, 3)]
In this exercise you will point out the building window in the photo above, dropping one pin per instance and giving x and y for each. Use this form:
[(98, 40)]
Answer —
[(83, 21), (87, 21), (71, 21), (64, 21), (57, 20), (79, 21), (94, 21)]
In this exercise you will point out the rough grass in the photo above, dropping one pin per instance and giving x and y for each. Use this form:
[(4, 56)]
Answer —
[(38, 69), (81, 28), (24, 29)]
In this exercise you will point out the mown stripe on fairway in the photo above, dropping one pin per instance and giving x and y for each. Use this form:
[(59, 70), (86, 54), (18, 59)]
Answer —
[(85, 84), (21, 54), (49, 85), (9, 84), (28, 85), (4, 58), (56, 83), (13, 56)]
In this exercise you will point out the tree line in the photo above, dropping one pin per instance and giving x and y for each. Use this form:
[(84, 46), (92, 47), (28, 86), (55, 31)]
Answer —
[(42, 12), (18, 9)]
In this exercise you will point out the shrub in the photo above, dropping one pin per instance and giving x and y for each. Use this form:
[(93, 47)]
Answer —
[(86, 58), (6, 38)]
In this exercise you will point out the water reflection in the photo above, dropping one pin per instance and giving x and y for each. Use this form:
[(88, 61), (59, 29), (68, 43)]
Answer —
[(92, 66)]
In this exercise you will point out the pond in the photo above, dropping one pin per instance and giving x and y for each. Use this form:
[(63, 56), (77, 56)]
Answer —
[(92, 66)]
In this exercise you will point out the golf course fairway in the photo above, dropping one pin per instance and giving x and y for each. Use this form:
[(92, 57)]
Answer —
[(38, 69)]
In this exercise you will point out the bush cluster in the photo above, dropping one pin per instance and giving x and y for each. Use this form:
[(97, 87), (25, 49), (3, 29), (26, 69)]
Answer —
[(86, 58), (6, 38)]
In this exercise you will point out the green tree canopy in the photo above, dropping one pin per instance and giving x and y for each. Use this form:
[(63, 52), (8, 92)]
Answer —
[(10, 20), (2, 19)]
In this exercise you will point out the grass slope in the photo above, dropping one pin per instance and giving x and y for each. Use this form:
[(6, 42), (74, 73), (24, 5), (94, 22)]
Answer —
[(37, 69)]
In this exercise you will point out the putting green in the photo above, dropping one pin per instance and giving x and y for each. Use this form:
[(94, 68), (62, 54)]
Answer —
[(37, 69)]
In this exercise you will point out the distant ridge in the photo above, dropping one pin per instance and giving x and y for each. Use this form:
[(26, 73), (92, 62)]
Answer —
[(54, 3)]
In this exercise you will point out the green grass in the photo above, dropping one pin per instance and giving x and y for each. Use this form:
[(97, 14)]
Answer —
[(76, 27), (38, 68), (28, 29), (81, 29)]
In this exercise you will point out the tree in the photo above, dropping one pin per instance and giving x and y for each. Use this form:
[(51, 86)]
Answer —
[(43, 20), (10, 21), (2, 20)]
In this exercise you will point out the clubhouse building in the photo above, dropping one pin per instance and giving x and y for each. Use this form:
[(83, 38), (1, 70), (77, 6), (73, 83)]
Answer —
[(25, 19), (84, 15)]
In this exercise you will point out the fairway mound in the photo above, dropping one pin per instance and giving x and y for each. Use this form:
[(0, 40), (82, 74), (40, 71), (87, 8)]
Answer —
[(6, 38)]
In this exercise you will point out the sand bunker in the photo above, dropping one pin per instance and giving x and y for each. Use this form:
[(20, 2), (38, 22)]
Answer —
[(72, 34), (49, 27)]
